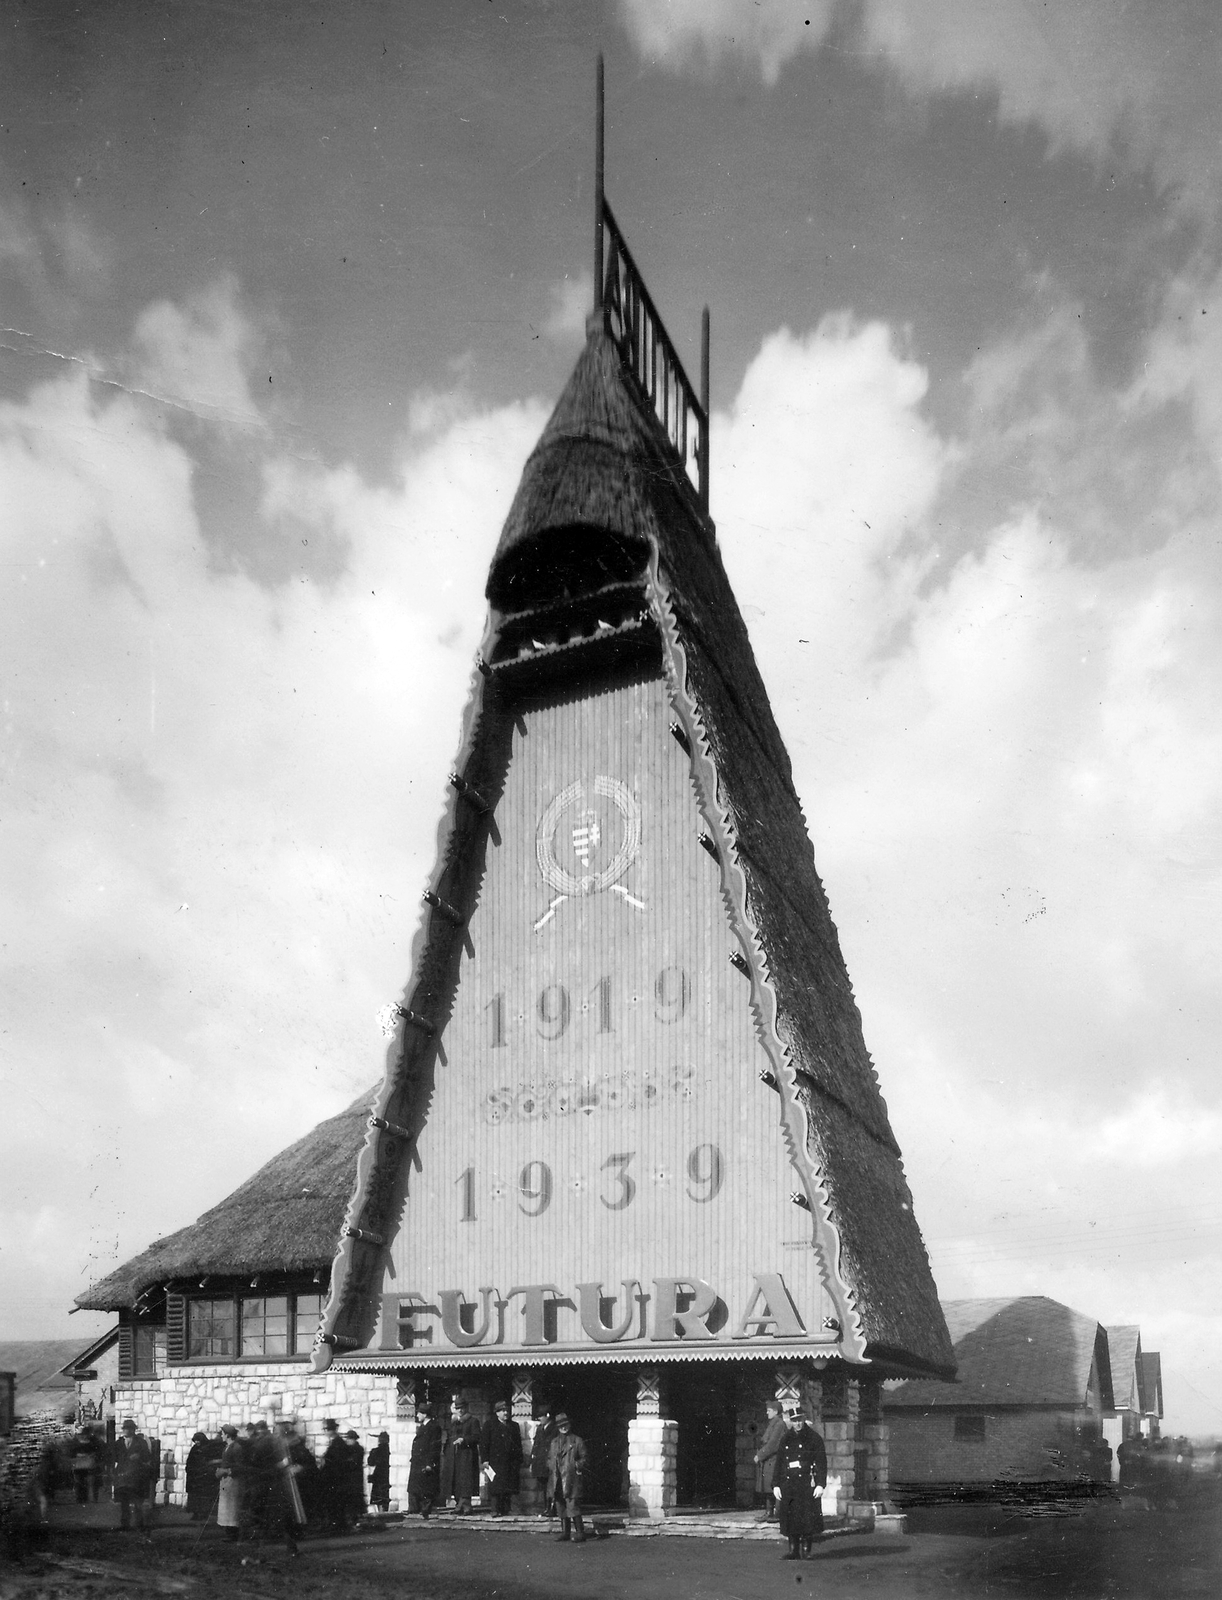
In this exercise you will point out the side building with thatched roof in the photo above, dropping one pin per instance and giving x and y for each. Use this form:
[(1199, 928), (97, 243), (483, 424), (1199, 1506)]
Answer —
[(629, 1155), (1029, 1406)]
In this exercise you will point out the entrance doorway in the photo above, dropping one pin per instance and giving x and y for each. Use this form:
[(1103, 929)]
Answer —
[(702, 1400), (600, 1401)]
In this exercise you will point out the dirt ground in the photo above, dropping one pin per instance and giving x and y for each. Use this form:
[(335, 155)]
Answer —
[(1110, 1551)]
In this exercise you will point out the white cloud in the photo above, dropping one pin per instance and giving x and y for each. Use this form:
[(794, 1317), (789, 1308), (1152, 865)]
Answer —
[(200, 354), (572, 300), (220, 803), (769, 32), (1013, 769), (1131, 85)]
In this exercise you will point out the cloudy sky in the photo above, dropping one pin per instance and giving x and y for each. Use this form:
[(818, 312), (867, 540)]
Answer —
[(288, 291)]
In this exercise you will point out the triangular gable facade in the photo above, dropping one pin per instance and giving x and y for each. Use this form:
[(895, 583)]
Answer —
[(629, 1114), (1124, 1346)]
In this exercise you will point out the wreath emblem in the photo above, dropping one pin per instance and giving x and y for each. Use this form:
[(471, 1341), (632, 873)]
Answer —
[(587, 839)]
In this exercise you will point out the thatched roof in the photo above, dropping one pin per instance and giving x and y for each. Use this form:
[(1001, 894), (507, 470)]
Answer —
[(604, 497), (1124, 1349), (1028, 1351), (285, 1219), (1151, 1383)]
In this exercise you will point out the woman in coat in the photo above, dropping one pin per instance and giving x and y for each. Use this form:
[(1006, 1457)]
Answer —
[(231, 1474), (424, 1473), (500, 1448), (378, 1462), (765, 1456), (200, 1475)]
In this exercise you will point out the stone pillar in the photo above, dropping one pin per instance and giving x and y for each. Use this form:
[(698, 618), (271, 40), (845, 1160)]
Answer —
[(653, 1448), (874, 1442), (530, 1499), (840, 1408)]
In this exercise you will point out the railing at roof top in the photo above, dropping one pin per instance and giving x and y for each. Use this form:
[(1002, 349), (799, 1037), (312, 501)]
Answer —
[(631, 319)]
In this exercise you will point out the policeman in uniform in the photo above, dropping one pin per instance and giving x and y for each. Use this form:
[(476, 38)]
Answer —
[(798, 1481)]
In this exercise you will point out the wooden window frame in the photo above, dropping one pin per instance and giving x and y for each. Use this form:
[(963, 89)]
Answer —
[(178, 1317)]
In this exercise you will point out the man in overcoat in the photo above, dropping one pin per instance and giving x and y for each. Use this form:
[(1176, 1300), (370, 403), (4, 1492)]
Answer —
[(424, 1473), (799, 1479), (333, 1478), (566, 1464), (765, 1456), (460, 1463), (500, 1449), (131, 1468), (355, 1485), (545, 1432)]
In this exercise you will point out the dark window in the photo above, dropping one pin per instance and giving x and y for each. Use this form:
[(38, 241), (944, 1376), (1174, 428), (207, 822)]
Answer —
[(251, 1326), (265, 1325), (210, 1330), (305, 1322), (970, 1428), (148, 1352)]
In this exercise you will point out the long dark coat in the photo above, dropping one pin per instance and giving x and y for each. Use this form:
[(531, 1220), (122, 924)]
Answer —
[(200, 1473), (424, 1473), (378, 1462), (355, 1481), (500, 1447), (132, 1465), (769, 1445), (544, 1434), (333, 1481), (460, 1462), (800, 1473)]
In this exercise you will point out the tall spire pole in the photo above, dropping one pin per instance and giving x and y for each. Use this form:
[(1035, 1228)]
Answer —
[(708, 416), (598, 192)]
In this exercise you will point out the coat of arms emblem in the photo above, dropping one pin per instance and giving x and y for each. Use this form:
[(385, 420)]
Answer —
[(586, 841)]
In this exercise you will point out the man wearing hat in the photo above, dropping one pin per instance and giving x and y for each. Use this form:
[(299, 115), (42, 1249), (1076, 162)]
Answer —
[(355, 1479), (132, 1468), (460, 1464), (566, 1462), (424, 1473), (798, 1481), (333, 1478), (500, 1449), (545, 1432)]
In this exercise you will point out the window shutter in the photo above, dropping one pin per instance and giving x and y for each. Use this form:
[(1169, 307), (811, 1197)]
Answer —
[(175, 1327), (127, 1364)]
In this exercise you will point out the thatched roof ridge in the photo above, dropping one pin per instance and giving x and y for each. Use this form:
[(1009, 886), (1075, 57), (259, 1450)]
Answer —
[(286, 1218), (600, 464)]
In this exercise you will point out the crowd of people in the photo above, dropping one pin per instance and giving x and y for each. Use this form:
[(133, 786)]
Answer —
[(262, 1481)]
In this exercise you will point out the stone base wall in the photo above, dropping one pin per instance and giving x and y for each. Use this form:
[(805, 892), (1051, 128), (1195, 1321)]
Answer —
[(203, 1398), (653, 1476)]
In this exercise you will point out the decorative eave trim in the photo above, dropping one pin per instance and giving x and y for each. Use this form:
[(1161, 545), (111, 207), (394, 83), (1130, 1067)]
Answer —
[(361, 1252), (795, 1120), (640, 1355)]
